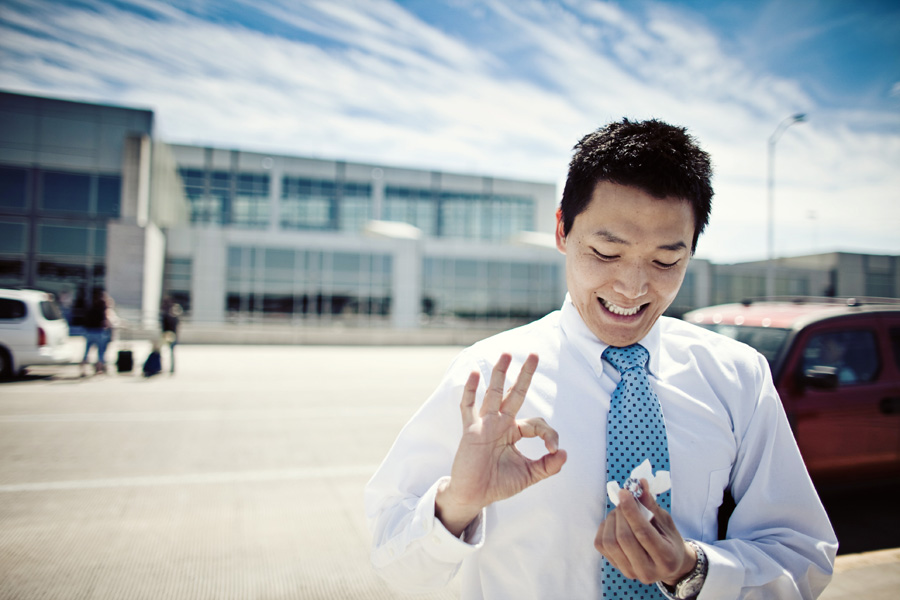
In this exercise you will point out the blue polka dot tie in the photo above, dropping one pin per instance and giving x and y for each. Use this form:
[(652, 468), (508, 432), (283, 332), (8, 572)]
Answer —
[(635, 431)]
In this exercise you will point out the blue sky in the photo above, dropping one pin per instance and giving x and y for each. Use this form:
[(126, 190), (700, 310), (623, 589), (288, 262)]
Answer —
[(506, 87)]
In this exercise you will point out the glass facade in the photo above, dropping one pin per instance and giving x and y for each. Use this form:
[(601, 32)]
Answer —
[(221, 197), (449, 214), (53, 229), (177, 281), (308, 203), (300, 283), (415, 206), (484, 289)]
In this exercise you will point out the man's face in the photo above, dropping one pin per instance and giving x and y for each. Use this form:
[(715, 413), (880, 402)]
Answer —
[(626, 256)]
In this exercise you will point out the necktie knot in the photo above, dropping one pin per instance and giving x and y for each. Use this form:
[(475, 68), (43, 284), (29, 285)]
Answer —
[(626, 358)]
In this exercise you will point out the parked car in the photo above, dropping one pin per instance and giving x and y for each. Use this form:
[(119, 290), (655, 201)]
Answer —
[(836, 365), (32, 331)]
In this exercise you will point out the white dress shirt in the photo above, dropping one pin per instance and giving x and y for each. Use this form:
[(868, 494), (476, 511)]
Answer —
[(726, 430)]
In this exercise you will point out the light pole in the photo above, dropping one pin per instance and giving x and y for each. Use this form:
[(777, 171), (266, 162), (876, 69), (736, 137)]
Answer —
[(770, 266)]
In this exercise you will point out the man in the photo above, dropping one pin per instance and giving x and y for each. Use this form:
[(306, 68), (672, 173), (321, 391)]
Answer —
[(514, 494)]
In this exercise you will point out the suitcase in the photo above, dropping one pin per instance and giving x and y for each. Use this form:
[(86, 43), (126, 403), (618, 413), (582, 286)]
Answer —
[(125, 361)]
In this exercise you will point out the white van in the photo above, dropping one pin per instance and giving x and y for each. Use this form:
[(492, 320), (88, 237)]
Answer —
[(32, 331)]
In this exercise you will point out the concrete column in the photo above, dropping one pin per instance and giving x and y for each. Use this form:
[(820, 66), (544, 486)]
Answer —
[(406, 285), (209, 273)]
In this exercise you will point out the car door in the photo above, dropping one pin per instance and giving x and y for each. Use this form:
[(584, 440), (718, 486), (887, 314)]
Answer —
[(839, 421)]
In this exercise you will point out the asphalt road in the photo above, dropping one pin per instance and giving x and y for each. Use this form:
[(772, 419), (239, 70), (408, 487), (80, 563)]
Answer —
[(238, 477)]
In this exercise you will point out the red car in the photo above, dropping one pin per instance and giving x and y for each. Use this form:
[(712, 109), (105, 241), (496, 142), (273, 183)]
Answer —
[(836, 365)]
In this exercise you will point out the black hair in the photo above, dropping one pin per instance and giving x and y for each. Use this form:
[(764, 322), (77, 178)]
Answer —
[(653, 156)]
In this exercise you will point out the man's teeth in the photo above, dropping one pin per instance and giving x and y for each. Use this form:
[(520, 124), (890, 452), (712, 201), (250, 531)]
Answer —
[(618, 310)]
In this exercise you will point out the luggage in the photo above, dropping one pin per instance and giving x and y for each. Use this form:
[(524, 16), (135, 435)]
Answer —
[(125, 361), (153, 364)]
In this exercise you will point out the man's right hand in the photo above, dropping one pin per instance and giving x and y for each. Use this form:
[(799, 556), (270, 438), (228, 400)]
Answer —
[(487, 466)]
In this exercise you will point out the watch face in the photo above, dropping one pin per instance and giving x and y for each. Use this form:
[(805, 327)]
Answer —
[(690, 588)]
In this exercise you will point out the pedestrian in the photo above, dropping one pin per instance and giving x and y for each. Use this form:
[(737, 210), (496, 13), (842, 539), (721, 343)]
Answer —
[(599, 470), (169, 322), (98, 323)]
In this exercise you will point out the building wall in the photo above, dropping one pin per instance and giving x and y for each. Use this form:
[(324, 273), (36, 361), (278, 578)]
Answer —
[(62, 182)]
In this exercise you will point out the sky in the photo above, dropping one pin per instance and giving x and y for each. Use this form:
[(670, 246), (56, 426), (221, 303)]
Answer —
[(505, 88)]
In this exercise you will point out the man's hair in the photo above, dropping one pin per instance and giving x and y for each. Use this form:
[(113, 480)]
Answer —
[(658, 158)]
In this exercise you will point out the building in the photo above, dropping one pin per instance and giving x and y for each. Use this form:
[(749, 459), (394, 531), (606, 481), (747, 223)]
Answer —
[(264, 247), (320, 241), (84, 195)]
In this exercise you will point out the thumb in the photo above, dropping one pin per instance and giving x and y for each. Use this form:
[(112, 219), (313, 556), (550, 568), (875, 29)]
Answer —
[(549, 464)]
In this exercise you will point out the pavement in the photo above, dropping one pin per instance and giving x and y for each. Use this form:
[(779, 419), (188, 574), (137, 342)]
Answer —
[(240, 476)]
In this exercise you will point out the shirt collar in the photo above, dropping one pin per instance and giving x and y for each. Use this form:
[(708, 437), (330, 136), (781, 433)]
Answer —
[(590, 346)]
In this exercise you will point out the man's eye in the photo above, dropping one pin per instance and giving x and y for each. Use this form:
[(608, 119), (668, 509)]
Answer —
[(604, 256), (666, 265)]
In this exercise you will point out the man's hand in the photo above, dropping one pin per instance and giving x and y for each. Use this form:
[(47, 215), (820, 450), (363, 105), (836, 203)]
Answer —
[(487, 466), (648, 551)]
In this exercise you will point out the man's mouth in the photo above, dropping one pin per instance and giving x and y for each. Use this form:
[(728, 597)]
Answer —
[(621, 310)]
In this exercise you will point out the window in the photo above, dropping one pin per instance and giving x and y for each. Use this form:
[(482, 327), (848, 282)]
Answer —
[(308, 203), (851, 354), (475, 289), (109, 192), (311, 284), (415, 206), (12, 310), (13, 187), (63, 240), (251, 202), (355, 207), (12, 237), (12, 273), (66, 192), (895, 345)]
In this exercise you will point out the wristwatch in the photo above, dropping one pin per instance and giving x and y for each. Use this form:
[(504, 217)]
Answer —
[(689, 585)]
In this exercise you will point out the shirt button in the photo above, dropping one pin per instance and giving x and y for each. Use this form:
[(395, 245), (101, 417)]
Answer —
[(436, 538)]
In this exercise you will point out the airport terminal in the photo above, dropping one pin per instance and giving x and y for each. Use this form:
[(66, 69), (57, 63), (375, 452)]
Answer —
[(249, 241)]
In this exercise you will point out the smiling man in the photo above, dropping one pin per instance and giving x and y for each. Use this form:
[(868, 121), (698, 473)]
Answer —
[(599, 469)]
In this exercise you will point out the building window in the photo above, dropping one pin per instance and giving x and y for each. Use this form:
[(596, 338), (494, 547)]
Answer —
[(308, 203), (73, 241), (477, 289), (66, 192), (251, 202), (355, 206), (13, 187), (109, 195), (13, 238), (307, 284), (411, 205), (177, 281), (12, 272), (484, 217)]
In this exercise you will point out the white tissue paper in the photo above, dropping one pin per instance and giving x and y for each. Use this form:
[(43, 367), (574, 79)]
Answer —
[(658, 483)]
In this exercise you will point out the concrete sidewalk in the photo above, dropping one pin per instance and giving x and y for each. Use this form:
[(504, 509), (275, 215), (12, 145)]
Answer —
[(239, 477)]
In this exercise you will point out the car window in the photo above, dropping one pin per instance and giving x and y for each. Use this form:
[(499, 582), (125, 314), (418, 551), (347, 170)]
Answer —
[(50, 310), (853, 354), (12, 309), (767, 340), (895, 344)]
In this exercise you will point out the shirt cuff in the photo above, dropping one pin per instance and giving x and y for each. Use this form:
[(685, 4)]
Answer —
[(724, 577), (438, 542)]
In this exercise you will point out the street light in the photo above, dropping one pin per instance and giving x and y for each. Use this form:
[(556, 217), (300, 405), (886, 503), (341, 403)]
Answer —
[(770, 267)]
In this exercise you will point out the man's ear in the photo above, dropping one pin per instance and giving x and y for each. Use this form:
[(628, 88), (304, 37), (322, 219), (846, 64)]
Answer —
[(560, 232)]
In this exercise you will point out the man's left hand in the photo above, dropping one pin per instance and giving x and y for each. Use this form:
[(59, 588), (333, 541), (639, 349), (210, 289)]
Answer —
[(648, 551)]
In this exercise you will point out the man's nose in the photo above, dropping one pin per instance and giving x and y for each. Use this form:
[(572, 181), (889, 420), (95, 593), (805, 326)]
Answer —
[(631, 282)]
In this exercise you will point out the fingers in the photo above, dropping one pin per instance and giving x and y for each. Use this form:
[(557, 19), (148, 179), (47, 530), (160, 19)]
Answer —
[(516, 396), (538, 427), (493, 397), (467, 405)]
